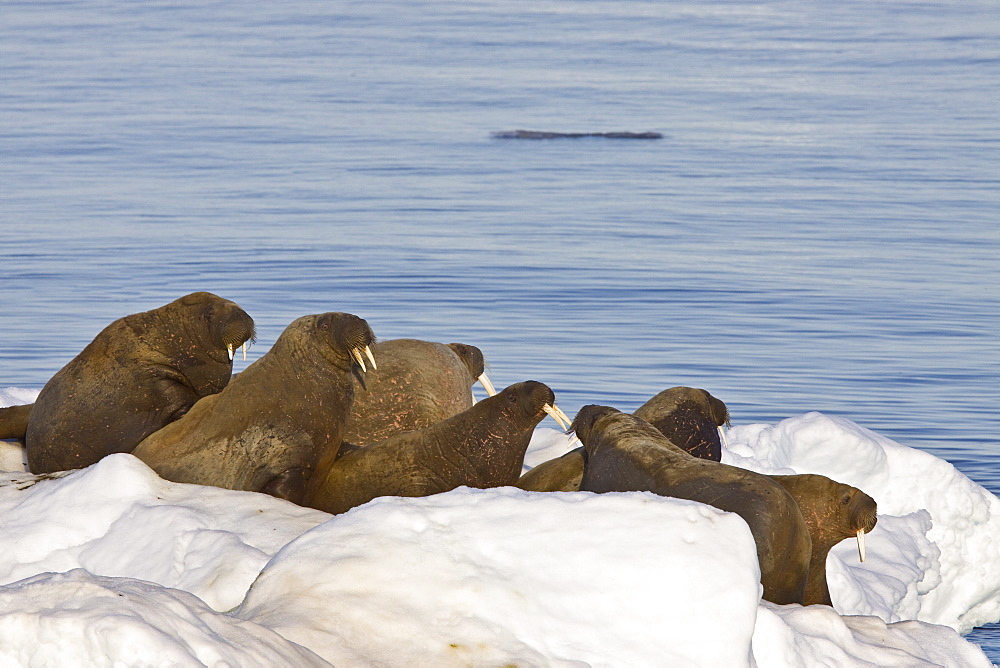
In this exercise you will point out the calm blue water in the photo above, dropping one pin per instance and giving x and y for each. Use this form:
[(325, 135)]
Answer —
[(819, 229)]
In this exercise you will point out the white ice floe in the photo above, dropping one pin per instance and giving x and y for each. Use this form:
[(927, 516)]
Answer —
[(112, 564)]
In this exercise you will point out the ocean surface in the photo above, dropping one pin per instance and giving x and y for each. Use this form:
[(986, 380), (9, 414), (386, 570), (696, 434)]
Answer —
[(818, 229)]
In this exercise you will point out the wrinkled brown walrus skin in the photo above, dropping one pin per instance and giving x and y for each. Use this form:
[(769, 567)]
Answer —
[(625, 453), (138, 374), (270, 428), (833, 512), (417, 383), (690, 418), (481, 447)]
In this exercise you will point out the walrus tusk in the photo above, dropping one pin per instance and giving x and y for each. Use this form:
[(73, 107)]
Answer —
[(356, 353), (557, 415), (485, 382), (861, 543), (229, 349), (371, 358), (244, 349), (722, 434)]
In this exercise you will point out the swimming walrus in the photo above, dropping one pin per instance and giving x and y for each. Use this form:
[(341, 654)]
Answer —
[(480, 447), (277, 420), (417, 384), (833, 512), (690, 418), (540, 134), (138, 374), (626, 453)]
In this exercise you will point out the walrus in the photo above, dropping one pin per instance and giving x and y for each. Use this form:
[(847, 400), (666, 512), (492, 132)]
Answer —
[(139, 373), (482, 446), (270, 428), (690, 418), (14, 422), (833, 512), (562, 474), (539, 134), (625, 453), (418, 383)]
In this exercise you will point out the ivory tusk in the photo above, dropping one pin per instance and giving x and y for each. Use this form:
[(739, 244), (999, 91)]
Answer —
[(368, 352), (861, 543), (722, 434), (356, 353), (485, 382), (557, 415), (229, 349), (244, 349)]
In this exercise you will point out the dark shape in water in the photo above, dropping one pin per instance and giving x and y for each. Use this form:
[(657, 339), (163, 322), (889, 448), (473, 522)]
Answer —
[(535, 134)]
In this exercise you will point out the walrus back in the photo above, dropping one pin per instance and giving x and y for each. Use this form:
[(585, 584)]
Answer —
[(417, 384)]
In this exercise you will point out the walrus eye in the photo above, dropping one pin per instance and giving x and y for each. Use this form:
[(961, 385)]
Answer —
[(846, 499)]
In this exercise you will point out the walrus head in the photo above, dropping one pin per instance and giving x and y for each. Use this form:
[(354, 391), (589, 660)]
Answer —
[(349, 338), (228, 326), (231, 327), (690, 417), (862, 513), (587, 417), (833, 510), (473, 359), (533, 400)]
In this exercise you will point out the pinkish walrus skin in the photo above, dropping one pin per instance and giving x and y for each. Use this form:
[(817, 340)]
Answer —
[(139, 373), (481, 447), (276, 422), (417, 383), (690, 418), (833, 512), (625, 454)]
